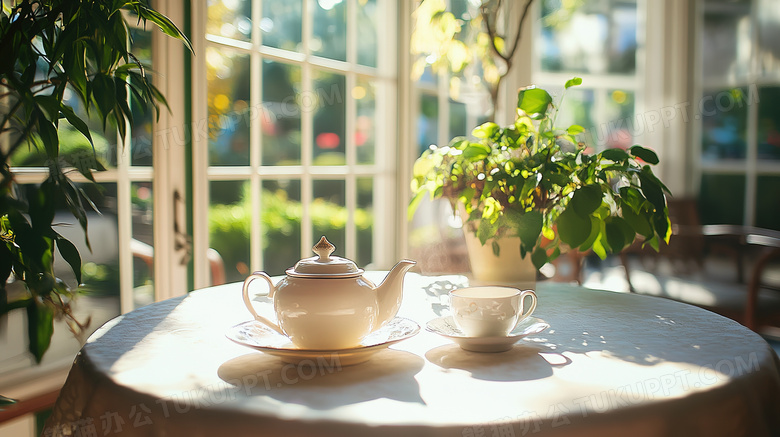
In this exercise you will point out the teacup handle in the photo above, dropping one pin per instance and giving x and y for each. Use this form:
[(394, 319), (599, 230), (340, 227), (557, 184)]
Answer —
[(248, 303), (531, 309)]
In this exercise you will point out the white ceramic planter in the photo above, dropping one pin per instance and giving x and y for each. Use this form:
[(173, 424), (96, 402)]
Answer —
[(509, 268)]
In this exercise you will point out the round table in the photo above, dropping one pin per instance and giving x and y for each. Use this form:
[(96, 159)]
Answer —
[(611, 364)]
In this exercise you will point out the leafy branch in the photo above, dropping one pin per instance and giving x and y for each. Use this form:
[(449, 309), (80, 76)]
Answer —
[(48, 46)]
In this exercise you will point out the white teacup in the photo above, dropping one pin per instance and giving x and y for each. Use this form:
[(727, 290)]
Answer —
[(489, 311)]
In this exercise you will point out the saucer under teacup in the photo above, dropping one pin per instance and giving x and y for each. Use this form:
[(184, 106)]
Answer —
[(446, 327), (260, 337)]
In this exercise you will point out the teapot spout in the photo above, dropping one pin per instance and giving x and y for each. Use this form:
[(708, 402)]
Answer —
[(390, 292)]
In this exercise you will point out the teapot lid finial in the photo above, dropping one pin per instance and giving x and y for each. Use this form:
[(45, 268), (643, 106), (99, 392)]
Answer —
[(324, 248)]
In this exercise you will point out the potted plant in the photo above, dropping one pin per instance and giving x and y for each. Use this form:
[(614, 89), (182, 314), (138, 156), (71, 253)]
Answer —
[(534, 183), (46, 48)]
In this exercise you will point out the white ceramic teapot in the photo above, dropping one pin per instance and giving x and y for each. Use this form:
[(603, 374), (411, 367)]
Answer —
[(325, 303)]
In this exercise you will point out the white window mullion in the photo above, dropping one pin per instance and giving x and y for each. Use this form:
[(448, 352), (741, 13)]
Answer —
[(200, 157), (307, 129), (751, 154), (255, 144), (349, 129), (351, 205), (406, 112), (125, 224)]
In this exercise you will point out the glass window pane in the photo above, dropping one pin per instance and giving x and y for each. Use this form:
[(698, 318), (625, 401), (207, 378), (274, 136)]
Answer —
[(618, 122), (769, 123), (724, 124), (428, 122), (142, 244), (329, 213), (769, 37), (141, 133), (100, 265), (364, 221), (280, 120), (328, 91), (230, 216), (227, 73), (230, 18), (578, 108), (458, 120), (282, 23), (768, 211), (364, 94), (367, 17), (725, 41), (329, 29), (281, 225), (716, 197), (594, 37)]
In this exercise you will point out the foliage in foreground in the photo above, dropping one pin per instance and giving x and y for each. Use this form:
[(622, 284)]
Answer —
[(48, 47)]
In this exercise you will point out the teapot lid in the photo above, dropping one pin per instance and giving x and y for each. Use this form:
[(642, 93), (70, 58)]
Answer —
[(324, 265)]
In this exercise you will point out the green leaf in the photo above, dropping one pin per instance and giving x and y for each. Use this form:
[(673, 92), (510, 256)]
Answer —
[(559, 179), (653, 242), (71, 255), (662, 225), (42, 206), (616, 155), (529, 226), (575, 129), (77, 122), (163, 23), (51, 142), (539, 258), (637, 222), (586, 200), (64, 43), (648, 172), (6, 401), (575, 81), (476, 152), (644, 154), (485, 130), (595, 231), (652, 191), (599, 249), (496, 249), (104, 94), (534, 102), (573, 228), (486, 230), (73, 202), (40, 328), (50, 106), (619, 234), (632, 197), (628, 232)]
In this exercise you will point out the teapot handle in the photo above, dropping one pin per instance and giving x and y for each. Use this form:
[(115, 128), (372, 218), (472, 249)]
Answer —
[(248, 303)]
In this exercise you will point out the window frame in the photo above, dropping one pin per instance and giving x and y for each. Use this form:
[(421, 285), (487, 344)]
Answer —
[(383, 170), (750, 167)]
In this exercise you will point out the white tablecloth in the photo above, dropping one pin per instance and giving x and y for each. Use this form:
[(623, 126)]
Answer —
[(611, 364)]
